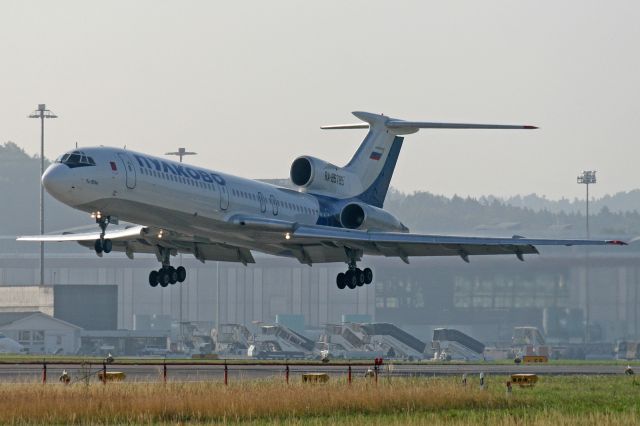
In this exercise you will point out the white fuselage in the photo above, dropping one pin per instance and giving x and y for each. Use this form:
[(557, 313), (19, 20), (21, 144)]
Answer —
[(157, 192)]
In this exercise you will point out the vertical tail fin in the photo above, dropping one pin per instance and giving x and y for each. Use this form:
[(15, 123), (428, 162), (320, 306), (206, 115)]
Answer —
[(375, 159)]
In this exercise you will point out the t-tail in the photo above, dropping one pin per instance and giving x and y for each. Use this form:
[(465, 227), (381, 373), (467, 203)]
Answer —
[(368, 175)]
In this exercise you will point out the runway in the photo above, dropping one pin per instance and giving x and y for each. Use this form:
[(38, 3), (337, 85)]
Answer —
[(12, 373)]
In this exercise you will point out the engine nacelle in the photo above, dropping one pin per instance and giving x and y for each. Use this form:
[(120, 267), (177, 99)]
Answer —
[(365, 217), (318, 175)]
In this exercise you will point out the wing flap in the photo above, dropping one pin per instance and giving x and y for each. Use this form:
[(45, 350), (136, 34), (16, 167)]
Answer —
[(404, 245)]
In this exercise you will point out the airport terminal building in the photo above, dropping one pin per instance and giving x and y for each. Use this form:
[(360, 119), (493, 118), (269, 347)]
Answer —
[(559, 292)]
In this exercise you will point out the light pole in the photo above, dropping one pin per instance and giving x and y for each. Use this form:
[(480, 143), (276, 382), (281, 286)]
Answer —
[(587, 178), (218, 298), (42, 112), (181, 152)]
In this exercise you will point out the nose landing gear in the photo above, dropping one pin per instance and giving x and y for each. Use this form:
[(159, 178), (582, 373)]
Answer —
[(103, 245)]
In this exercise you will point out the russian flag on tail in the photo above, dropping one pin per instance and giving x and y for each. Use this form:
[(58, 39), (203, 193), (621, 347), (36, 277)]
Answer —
[(377, 153)]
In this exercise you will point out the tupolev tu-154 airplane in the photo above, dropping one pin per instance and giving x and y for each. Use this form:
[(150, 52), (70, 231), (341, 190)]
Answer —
[(336, 215)]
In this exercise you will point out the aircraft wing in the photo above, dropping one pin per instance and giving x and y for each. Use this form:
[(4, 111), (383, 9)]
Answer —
[(117, 234), (310, 243), (144, 239), (404, 245)]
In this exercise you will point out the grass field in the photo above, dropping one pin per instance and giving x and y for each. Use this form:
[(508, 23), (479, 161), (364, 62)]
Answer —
[(558, 400)]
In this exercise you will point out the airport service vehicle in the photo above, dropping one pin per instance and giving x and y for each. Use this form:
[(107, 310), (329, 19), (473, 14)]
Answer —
[(335, 215)]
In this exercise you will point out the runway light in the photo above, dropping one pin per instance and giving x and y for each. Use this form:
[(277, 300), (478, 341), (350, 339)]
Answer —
[(287, 236), (160, 234)]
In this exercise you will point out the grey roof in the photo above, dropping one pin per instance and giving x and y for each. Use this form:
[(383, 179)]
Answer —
[(124, 333), (7, 318), (10, 317)]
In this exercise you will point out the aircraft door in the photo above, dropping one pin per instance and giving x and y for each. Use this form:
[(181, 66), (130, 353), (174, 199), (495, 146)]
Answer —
[(224, 197), (129, 170)]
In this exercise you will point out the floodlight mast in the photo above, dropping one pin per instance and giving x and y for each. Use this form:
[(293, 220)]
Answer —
[(587, 178), (181, 152), (42, 112)]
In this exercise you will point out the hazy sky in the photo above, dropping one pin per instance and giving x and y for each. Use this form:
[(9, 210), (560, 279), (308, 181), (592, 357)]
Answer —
[(247, 84)]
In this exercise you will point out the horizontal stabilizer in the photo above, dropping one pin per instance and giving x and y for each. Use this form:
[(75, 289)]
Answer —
[(346, 126), (401, 127), (400, 124)]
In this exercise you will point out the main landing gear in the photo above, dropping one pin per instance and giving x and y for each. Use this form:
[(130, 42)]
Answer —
[(103, 245), (354, 277), (167, 274)]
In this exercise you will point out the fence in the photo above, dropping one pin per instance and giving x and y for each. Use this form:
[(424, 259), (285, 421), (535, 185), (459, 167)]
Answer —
[(54, 371)]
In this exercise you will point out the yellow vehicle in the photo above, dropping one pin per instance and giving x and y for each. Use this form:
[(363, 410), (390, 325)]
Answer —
[(534, 359), (112, 376), (524, 380), (315, 378)]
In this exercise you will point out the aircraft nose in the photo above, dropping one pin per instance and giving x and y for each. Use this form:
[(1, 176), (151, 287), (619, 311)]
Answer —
[(58, 181)]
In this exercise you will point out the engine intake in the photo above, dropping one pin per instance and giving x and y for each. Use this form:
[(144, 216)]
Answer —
[(365, 217), (302, 171), (352, 216), (317, 175)]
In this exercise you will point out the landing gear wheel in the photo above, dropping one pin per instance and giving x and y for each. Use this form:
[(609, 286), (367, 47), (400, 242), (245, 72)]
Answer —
[(359, 277), (182, 274), (97, 246), (173, 275), (153, 278), (350, 278), (340, 281), (107, 246), (368, 275), (163, 277)]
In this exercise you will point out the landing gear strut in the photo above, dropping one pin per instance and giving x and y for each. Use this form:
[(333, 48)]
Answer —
[(354, 277), (167, 274), (101, 245)]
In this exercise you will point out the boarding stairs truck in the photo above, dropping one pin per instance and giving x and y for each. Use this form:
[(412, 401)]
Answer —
[(449, 343), (280, 342), (396, 342), (346, 342), (372, 340), (342, 335), (232, 339)]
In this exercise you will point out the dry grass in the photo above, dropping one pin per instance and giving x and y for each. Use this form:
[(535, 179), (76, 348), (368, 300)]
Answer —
[(410, 401)]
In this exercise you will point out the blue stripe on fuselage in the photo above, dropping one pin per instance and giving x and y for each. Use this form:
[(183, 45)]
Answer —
[(376, 193), (331, 207)]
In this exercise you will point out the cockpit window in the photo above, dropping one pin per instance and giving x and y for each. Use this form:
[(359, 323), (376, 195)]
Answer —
[(76, 159)]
